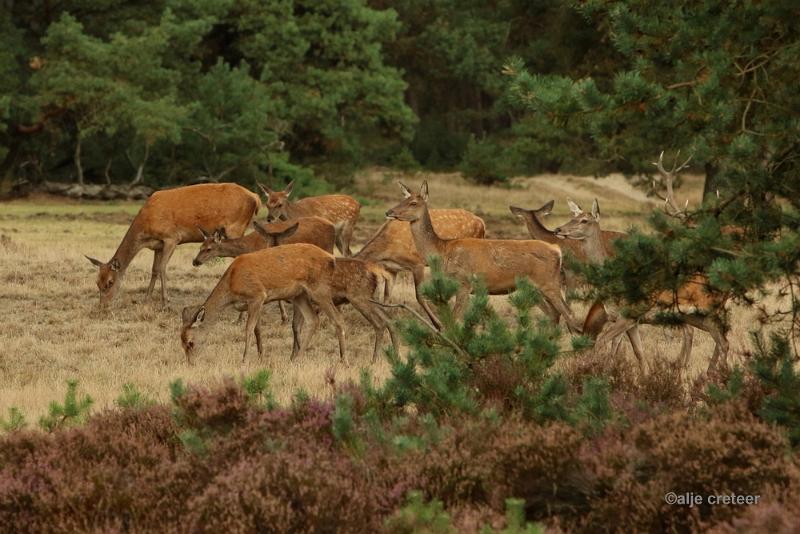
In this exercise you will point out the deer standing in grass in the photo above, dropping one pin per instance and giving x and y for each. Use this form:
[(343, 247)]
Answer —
[(574, 279), (341, 210), (312, 230), (172, 217), (499, 261), (299, 272), (359, 283), (692, 303), (393, 246)]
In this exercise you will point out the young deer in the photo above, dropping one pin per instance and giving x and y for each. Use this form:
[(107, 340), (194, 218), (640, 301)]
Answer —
[(312, 230), (499, 261), (359, 283), (393, 246), (299, 272), (172, 217), (694, 305), (341, 210)]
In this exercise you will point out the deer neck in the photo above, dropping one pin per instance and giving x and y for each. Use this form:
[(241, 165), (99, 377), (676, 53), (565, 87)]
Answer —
[(219, 298), (232, 248), (425, 237), (129, 247), (538, 230), (592, 246)]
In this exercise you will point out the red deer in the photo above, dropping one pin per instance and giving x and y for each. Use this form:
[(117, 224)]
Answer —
[(360, 284), (693, 304), (393, 247), (172, 217), (341, 210), (300, 272), (499, 261)]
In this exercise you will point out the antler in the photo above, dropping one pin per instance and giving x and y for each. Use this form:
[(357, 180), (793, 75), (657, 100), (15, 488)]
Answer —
[(670, 206)]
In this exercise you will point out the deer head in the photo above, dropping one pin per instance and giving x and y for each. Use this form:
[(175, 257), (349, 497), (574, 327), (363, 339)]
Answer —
[(192, 319), (109, 276), (277, 201), (582, 225), (412, 208), (210, 247)]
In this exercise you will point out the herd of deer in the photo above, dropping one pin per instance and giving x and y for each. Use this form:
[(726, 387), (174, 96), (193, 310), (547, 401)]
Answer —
[(290, 258)]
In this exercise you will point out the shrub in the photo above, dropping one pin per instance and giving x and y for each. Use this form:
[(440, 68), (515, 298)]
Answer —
[(73, 411), (16, 421), (484, 163)]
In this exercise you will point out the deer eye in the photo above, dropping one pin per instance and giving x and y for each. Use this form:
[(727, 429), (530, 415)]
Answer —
[(584, 221), (413, 202)]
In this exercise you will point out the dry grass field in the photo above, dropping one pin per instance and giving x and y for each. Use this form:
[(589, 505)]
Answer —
[(51, 329)]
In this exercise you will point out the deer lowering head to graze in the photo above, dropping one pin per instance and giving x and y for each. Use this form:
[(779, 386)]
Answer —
[(300, 272), (341, 210), (312, 230), (361, 284), (393, 246), (692, 303), (172, 217), (498, 261)]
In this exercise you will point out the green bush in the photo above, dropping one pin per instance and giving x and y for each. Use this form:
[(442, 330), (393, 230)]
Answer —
[(484, 163)]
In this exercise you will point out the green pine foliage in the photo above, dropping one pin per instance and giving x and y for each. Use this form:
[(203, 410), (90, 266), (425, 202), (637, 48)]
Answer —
[(16, 420), (775, 366), (420, 516), (74, 410), (132, 398), (476, 362)]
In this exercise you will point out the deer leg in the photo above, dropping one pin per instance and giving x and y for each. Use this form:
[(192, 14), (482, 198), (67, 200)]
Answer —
[(345, 237), (686, 346), (307, 324), (717, 332), (418, 273), (636, 344), (387, 322), (550, 312), (369, 313), (297, 326), (253, 311), (259, 344), (326, 305), (282, 308), (166, 253), (157, 253), (556, 300), (462, 296)]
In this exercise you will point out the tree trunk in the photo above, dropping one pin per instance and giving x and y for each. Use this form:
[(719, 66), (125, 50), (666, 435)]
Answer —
[(140, 171), (711, 185), (78, 164)]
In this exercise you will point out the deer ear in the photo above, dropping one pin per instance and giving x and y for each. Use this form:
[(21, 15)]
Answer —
[(192, 314), (574, 208), (266, 190), (96, 263), (547, 208), (288, 189), (114, 263), (518, 211), (423, 191), (220, 235), (285, 233), (596, 210), (404, 190), (203, 233)]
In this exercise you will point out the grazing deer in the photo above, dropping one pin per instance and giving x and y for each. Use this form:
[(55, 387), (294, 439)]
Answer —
[(341, 210), (692, 302), (393, 246), (499, 261), (299, 272), (312, 230), (361, 284), (172, 217)]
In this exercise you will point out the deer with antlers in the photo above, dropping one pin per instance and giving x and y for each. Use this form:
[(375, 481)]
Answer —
[(341, 210), (393, 246), (299, 272), (498, 261), (693, 304), (170, 218)]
